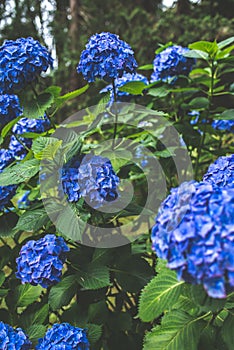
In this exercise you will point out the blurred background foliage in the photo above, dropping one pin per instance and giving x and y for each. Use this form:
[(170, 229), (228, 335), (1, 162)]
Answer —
[(65, 26)]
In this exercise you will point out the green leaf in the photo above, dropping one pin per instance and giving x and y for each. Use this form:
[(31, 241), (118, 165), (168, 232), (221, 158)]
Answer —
[(133, 87), (7, 224), (19, 173), (159, 295), (178, 331), (9, 126), (199, 103), (158, 92), (2, 278), (76, 226), (210, 48), (226, 42), (38, 106), (46, 147), (226, 115), (146, 67), (196, 54), (26, 294), (59, 101), (94, 332), (94, 277), (227, 331), (33, 220), (62, 293), (54, 90), (34, 314), (35, 332)]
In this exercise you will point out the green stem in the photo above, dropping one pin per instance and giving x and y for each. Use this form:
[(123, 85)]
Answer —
[(115, 114)]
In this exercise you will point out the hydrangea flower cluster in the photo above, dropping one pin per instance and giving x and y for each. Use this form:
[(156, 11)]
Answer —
[(119, 82), (106, 57), (6, 192), (14, 339), (221, 172), (194, 233), (64, 336), (223, 125), (92, 178), (170, 63), (41, 262), (9, 108), (21, 61), (25, 125)]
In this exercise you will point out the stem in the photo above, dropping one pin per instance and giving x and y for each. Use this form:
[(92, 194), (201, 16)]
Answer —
[(115, 114)]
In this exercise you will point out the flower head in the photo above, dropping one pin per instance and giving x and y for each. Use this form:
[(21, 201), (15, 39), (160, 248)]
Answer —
[(41, 262), (21, 61), (119, 82), (106, 57), (93, 178), (170, 63), (194, 233), (221, 172), (14, 339), (6, 192), (64, 336), (25, 125), (9, 108), (223, 125)]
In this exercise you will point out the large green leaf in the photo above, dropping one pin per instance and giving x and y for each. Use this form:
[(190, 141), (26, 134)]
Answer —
[(26, 294), (19, 173), (35, 332), (59, 101), (133, 87), (226, 42), (226, 115), (7, 224), (159, 295), (178, 331), (46, 147), (93, 277), (62, 293), (38, 106), (94, 332), (32, 220), (227, 331)]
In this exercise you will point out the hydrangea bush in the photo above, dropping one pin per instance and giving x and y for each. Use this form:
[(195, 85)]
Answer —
[(170, 288)]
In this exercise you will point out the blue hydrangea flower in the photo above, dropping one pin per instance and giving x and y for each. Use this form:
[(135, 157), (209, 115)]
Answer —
[(21, 61), (106, 57), (223, 125), (92, 178), (221, 172), (14, 339), (119, 82), (6, 192), (170, 63), (41, 261), (194, 233), (9, 108), (26, 125), (64, 336), (23, 202)]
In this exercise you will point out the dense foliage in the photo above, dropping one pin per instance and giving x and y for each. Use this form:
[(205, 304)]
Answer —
[(86, 204)]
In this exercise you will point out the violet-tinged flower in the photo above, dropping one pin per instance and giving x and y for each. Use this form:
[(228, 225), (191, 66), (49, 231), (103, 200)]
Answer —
[(92, 178), (21, 61), (19, 145), (221, 172), (106, 57), (41, 261), (64, 336), (9, 108), (194, 233), (170, 63), (13, 339)]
